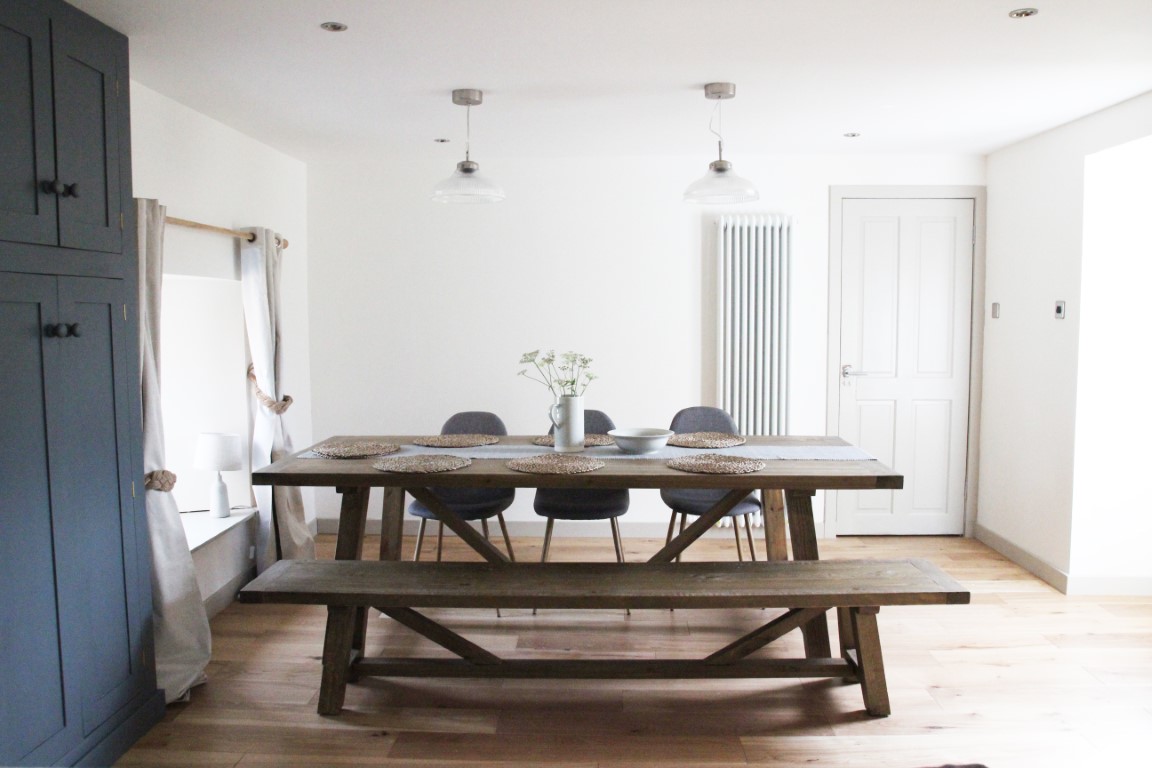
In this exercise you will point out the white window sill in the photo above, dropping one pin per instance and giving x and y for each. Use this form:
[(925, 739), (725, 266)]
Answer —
[(202, 527)]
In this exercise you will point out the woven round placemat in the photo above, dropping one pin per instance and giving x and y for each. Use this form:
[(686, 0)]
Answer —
[(589, 440), (422, 463), (359, 449), (715, 464), (455, 441), (555, 464), (706, 440)]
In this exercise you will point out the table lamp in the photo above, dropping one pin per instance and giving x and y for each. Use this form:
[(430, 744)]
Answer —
[(219, 452)]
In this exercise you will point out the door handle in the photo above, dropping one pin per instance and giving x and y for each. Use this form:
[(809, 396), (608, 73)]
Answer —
[(846, 371)]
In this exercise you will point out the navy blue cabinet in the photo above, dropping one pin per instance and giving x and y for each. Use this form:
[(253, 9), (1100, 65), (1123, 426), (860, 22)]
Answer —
[(78, 683), (65, 77)]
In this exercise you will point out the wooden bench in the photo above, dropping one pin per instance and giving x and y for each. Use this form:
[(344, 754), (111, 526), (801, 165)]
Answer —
[(806, 589)]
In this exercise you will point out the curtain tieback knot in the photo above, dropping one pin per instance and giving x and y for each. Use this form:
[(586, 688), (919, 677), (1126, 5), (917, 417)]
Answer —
[(276, 406), (160, 480)]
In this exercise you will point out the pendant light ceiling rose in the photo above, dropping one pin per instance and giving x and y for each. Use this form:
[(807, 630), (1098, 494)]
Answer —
[(720, 91), (467, 97)]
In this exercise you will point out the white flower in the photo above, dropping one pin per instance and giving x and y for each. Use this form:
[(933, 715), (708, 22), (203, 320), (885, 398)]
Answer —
[(569, 377)]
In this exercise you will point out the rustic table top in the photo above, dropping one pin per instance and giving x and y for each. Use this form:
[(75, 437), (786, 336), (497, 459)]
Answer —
[(304, 469)]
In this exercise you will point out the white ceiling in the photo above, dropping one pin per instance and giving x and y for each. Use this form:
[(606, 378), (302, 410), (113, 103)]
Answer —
[(623, 77)]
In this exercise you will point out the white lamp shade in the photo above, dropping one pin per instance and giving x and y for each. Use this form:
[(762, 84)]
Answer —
[(721, 186), (467, 186), (218, 451)]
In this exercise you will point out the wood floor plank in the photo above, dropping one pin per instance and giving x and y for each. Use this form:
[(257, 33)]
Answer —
[(1022, 676)]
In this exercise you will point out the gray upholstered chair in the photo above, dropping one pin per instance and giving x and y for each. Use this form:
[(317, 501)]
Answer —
[(593, 504), (697, 501), (470, 503)]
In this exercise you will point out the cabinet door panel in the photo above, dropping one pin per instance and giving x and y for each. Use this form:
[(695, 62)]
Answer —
[(33, 709), (89, 426), (86, 75), (27, 214)]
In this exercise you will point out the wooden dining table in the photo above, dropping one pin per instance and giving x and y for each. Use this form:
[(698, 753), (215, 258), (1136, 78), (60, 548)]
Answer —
[(796, 476)]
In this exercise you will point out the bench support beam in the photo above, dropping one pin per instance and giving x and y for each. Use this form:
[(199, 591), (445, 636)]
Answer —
[(757, 639)]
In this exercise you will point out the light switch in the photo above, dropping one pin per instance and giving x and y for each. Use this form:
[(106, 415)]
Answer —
[(995, 310), (1060, 310)]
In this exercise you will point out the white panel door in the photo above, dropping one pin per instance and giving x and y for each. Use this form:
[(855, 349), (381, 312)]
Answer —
[(905, 340)]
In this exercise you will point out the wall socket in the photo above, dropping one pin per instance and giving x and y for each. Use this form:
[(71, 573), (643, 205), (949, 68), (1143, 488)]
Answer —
[(1060, 310)]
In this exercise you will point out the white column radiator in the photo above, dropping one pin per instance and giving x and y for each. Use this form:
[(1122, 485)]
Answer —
[(752, 326)]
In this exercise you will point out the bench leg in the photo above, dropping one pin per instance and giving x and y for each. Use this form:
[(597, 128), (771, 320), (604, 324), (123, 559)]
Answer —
[(338, 653), (871, 662)]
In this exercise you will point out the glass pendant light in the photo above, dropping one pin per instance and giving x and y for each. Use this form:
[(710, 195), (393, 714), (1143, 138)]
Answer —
[(720, 184), (467, 185)]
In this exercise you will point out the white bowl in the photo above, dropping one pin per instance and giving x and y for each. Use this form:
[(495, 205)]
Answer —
[(640, 439)]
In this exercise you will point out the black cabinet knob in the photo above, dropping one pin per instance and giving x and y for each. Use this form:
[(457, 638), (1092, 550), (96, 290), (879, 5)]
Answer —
[(53, 187), (73, 329), (57, 331), (72, 190)]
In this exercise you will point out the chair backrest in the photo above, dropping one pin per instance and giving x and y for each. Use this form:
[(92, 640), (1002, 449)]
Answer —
[(595, 423), (474, 423), (703, 418)]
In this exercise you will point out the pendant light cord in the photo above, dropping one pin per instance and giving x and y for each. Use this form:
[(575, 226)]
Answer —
[(718, 118), (468, 132)]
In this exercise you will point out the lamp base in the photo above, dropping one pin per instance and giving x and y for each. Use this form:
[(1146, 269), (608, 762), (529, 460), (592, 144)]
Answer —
[(218, 498)]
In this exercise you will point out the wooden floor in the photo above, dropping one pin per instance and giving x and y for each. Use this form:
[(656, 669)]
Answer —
[(1023, 677)]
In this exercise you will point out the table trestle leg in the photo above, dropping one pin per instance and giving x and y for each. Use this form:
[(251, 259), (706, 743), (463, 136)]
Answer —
[(459, 526), (699, 527)]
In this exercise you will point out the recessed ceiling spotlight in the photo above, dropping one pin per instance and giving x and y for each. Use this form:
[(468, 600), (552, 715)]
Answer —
[(1023, 13), (851, 135), (441, 141), (333, 26)]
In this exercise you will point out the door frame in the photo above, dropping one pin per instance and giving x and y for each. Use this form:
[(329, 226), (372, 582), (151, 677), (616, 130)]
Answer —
[(837, 196)]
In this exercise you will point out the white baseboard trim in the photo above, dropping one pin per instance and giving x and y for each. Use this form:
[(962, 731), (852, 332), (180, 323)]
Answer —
[(1026, 560), (1110, 585)]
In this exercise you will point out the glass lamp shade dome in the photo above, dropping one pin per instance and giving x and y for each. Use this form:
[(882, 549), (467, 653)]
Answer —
[(720, 185), (466, 185)]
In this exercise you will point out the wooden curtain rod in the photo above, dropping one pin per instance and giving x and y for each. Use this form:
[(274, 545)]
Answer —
[(248, 236)]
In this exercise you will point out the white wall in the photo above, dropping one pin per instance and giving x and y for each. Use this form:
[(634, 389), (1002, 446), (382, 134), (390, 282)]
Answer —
[(419, 309), (1031, 360), (207, 172), (1111, 521)]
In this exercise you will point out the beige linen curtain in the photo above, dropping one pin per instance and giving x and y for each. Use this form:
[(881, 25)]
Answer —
[(180, 623), (283, 531)]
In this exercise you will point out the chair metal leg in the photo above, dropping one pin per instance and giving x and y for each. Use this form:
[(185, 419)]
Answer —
[(440, 541), (547, 540), (420, 537), (739, 549), (683, 522), (619, 547), (616, 539), (748, 533), (547, 543), (484, 528), (507, 538)]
